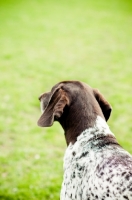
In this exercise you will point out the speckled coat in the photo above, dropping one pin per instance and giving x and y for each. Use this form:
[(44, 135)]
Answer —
[(94, 169)]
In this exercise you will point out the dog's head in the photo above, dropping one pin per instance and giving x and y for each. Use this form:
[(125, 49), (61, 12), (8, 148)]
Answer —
[(71, 98)]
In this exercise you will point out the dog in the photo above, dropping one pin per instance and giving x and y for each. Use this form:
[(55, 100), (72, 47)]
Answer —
[(95, 165)]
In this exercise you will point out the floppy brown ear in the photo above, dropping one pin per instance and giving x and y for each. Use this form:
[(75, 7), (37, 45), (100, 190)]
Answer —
[(105, 106), (53, 106)]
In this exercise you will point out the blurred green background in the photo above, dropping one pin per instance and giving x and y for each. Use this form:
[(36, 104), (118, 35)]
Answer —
[(44, 42)]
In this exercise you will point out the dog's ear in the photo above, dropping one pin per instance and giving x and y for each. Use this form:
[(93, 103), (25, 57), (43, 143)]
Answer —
[(104, 105), (52, 106)]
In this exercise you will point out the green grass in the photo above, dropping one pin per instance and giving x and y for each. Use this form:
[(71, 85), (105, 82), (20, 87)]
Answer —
[(43, 42)]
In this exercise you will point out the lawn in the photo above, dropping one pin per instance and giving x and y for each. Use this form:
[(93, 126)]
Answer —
[(44, 42)]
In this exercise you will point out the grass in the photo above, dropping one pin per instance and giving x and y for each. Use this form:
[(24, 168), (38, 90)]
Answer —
[(42, 43)]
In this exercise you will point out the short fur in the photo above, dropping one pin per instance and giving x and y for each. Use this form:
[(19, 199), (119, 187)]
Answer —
[(95, 165)]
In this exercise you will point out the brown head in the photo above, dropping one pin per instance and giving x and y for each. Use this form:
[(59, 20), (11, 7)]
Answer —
[(75, 105)]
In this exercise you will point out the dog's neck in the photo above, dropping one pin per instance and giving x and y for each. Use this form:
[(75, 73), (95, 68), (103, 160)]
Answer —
[(74, 124), (75, 121), (94, 138), (99, 129), (99, 132)]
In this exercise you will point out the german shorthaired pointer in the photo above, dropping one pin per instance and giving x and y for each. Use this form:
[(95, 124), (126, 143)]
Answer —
[(95, 165)]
